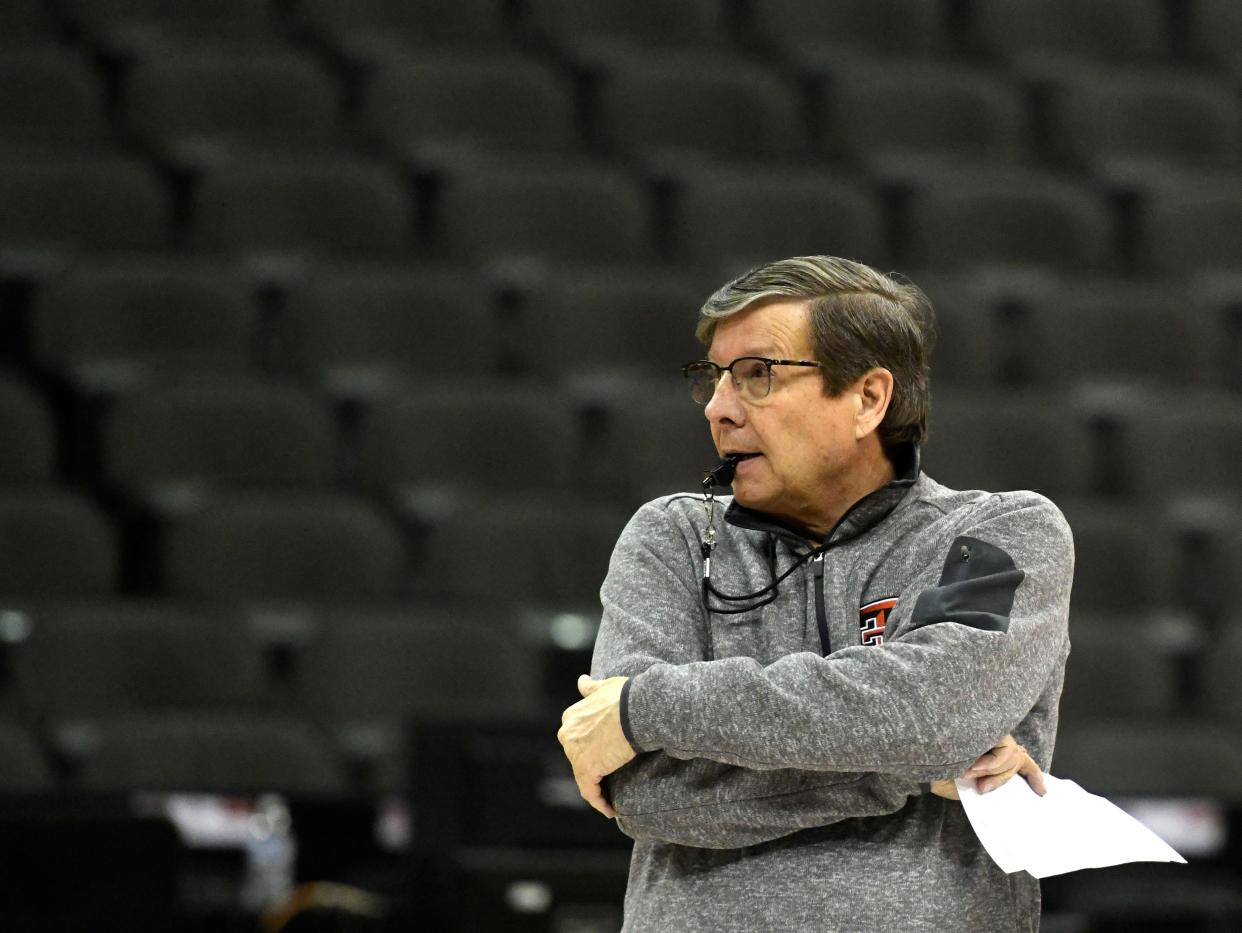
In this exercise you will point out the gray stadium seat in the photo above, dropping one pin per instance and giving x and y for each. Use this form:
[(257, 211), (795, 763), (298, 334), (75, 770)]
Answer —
[(1207, 531), (1113, 121), (56, 545), (1120, 665), (1221, 663), (328, 547), (545, 551), (366, 31), (428, 659), (100, 659), (108, 325), (545, 211), (817, 36), (52, 209), (24, 766), (1044, 36), (959, 220), (361, 332), (1190, 443), (371, 671), (965, 342), (437, 441), (728, 218), (282, 217), (24, 20), (1215, 33), (173, 446), (588, 327), (135, 27), (891, 116), (1117, 330), (433, 108), (1191, 223), (223, 752), (30, 455), (980, 316), (202, 108), (1124, 558), (653, 441), (1001, 441), (591, 31), (49, 95), (1217, 301), (665, 108), (1139, 757)]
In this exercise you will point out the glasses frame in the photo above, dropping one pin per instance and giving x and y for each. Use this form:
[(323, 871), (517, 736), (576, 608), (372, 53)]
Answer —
[(768, 363)]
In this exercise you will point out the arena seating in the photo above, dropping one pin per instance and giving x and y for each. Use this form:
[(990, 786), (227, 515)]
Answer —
[(339, 339)]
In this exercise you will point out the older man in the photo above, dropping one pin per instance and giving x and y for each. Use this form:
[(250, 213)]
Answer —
[(785, 687)]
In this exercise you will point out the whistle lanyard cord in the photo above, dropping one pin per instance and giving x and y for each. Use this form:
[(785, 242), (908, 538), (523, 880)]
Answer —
[(768, 593), (764, 596)]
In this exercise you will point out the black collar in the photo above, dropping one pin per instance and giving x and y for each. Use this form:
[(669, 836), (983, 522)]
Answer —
[(863, 515)]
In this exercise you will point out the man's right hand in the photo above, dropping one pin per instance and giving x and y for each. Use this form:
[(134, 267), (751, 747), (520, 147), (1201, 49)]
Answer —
[(994, 768)]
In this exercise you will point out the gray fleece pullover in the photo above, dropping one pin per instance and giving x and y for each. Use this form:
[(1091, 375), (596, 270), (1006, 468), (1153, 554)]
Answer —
[(783, 752)]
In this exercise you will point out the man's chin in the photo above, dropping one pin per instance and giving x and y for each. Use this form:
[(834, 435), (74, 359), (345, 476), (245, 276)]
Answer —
[(749, 495)]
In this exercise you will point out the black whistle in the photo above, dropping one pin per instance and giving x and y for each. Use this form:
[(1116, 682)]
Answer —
[(722, 475)]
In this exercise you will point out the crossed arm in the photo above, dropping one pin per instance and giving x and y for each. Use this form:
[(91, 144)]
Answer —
[(705, 783), (596, 746)]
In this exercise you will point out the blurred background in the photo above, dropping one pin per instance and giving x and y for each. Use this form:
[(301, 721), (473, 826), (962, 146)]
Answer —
[(340, 338)]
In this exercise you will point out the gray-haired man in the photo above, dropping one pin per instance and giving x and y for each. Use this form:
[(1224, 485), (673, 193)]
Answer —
[(769, 733)]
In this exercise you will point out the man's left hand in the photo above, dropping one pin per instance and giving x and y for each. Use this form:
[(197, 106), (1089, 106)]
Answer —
[(593, 740), (996, 767)]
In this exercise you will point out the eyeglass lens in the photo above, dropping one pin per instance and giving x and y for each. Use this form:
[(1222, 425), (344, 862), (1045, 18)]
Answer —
[(751, 377)]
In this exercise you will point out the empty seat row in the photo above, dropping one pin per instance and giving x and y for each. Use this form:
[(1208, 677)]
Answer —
[(791, 29), (1136, 443), (58, 544), (353, 663), (312, 547), (361, 331), (1058, 330), (1140, 665), (440, 541), (212, 751), (197, 109), (172, 443), (280, 218), (88, 680)]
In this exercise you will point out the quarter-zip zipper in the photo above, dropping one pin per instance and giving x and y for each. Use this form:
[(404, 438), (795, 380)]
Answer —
[(821, 617)]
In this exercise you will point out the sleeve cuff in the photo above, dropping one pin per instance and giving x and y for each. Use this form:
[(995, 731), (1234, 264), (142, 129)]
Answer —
[(625, 715)]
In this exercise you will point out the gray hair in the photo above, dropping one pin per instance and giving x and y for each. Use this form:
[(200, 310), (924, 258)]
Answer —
[(860, 319)]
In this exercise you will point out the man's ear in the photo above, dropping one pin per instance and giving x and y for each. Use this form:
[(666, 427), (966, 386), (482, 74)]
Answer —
[(874, 393)]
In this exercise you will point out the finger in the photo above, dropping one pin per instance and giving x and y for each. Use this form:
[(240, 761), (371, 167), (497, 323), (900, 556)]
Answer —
[(998, 760), (1034, 776), (946, 789), (587, 686), (992, 781), (984, 764), (592, 792)]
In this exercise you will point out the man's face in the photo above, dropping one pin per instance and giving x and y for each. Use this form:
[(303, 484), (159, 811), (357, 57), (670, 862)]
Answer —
[(805, 440)]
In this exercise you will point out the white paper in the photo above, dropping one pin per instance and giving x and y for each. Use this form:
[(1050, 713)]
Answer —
[(1065, 830)]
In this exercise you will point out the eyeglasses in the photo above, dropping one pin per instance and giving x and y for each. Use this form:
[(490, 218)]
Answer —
[(752, 376)]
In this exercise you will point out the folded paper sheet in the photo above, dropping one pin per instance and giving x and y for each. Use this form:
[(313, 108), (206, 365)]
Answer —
[(1065, 830)]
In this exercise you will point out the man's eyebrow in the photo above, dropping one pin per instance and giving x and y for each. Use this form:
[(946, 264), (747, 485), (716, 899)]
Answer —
[(767, 353)]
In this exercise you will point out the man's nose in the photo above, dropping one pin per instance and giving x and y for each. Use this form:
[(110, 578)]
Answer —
[(725, 405)]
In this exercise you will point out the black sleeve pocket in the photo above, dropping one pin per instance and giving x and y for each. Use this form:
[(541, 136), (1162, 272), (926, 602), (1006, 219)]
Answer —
[(976, 588)]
